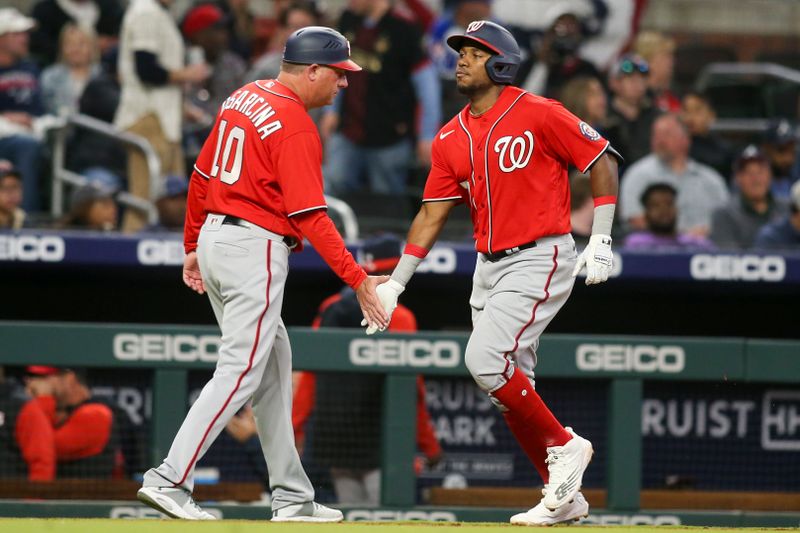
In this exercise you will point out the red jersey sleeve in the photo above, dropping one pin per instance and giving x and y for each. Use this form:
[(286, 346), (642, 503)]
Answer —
[(85, 433), (195, 210), (441, 183), (34, 435), (321, 233), (298, 167), (571, 139)]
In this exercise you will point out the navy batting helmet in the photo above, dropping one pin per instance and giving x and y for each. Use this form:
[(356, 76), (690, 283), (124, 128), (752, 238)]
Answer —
[(502, 67), (319, 45)]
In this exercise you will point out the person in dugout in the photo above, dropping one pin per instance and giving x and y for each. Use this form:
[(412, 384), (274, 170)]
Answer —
[(351, 451)]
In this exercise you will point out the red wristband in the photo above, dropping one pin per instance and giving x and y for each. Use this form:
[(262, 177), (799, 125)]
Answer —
[(416, 251), (604, 200)]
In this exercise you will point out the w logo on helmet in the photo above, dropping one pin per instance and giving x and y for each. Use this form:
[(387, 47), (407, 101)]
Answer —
[(475, 26), (516, 151)]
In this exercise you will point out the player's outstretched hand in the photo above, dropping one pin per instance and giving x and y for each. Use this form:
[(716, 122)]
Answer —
[(598, 259), (371, 305), (388, 294), (191, 273)]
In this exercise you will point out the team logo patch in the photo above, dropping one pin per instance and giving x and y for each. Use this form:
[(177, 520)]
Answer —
[(588, 131), (475, 26), (515, 152)]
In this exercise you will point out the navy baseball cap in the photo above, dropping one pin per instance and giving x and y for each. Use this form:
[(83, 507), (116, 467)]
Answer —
[(319, 45), (781, 132), (380, 254)]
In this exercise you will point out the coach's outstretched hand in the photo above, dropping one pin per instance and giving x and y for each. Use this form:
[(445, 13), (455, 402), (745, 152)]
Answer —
[(598, 259), (371, 305), (388, 294), (191, 273)]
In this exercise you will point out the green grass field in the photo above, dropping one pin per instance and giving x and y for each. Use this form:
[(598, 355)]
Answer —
[(60, 525)]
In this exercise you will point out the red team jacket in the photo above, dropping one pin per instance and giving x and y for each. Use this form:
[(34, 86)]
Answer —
[(511, 164)]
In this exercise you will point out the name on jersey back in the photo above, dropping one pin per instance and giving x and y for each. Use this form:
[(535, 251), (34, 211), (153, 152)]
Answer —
[(255, 108)]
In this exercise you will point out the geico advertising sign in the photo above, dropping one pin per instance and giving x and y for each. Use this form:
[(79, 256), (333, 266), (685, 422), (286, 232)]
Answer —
[(32, 248), (738, 267), (635, 358), (416, 353), (157, 347)]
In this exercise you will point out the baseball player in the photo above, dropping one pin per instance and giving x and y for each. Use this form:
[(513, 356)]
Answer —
[(506, 154), (256, 190)]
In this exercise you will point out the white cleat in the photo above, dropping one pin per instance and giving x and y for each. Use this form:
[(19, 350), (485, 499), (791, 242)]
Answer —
[(566, 465), (307, 512), (173, 502), (542, 516)]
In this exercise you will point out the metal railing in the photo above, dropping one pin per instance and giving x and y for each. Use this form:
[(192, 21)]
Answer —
[(348, 216), (61, 175)]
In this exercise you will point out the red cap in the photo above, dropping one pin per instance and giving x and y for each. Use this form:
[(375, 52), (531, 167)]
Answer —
[(42, 370), (200, 18)]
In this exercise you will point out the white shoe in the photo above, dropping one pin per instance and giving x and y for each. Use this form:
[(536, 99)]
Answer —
[(175, 503), (542, 516), (566, 465), (307, 512)]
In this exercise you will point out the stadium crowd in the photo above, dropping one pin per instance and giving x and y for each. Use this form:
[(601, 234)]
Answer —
[(144, 70)]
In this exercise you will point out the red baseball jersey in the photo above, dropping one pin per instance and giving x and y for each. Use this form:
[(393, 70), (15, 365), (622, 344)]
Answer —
[(511, 164), (263, 159)]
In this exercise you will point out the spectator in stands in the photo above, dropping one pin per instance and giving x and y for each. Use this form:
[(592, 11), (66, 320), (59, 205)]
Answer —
[(27, 445), (783, 234), (92, 207), (240, 23), (661, 219), (346, 432), (737, 224), (171, 205), (102, 17), (581, 208), (586, 98), (152, 72), (375, 117), (204, 27), (708, 148), (659, 52), (63, 82), (559, 57), (298, 14), (94, 155), (700, 188), (86, 440), (781, 147), (631, 113), (444, 58), (11, 214), (20, 103)]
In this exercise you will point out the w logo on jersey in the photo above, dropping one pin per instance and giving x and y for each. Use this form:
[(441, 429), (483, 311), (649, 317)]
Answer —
[(515, 152), (475, 26)]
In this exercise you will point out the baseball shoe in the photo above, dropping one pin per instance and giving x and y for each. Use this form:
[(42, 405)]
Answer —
[(566, 465), (307, 512), (173, 502), (542, 516)]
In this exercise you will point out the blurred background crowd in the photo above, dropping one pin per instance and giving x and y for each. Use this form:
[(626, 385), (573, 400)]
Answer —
[(707, 126)]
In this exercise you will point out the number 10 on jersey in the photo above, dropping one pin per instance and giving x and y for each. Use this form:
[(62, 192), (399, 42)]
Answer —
[(228, 171)]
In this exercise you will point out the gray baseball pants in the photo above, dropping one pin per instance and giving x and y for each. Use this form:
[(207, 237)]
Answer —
[(244, 270), (513, 300)]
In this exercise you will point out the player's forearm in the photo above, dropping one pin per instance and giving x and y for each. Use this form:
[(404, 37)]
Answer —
[(605, 187), (422, 235)]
